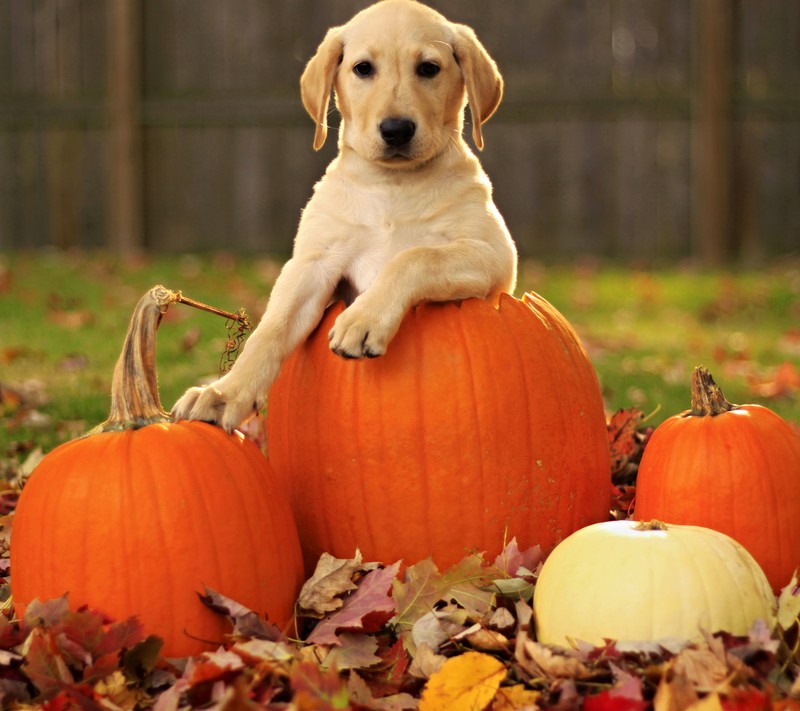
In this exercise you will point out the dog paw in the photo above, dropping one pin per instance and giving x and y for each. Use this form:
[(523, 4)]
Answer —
[(211, 404), (355, 336)]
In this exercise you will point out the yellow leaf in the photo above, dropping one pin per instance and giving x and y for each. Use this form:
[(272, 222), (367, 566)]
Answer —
[(466, 682), (514, 697)]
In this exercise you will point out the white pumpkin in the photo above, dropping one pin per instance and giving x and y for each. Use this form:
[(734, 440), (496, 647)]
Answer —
[(628, 580)]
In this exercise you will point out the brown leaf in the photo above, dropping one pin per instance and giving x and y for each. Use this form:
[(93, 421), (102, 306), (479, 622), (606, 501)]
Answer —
[(332, 578), (541, 661), (246, 623), (426, 662), (356, 651), (479, 637), (437, 627)]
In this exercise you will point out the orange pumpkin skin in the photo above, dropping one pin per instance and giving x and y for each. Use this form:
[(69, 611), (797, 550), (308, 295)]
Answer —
[(139, 521), (480, 423), (737, 472)]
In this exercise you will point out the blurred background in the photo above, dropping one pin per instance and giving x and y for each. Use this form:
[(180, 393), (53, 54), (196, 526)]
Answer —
[(646, 131)]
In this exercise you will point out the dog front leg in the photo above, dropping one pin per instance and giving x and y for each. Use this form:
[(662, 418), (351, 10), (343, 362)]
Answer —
[(460, 269), (298, 300)]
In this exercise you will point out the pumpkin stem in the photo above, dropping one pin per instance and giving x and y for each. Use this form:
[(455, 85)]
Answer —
[(134, 386), (707, 397), (654, 525)]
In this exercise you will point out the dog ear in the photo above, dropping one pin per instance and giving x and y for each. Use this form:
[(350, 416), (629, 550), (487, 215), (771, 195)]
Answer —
[(481, 76), (316, 83)]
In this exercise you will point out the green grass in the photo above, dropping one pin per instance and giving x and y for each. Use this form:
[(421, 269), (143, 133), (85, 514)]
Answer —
[(63, 318)]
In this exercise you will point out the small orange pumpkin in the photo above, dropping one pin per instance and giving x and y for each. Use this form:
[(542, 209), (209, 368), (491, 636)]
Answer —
[(481, 422), (733, 468), (136, 518)]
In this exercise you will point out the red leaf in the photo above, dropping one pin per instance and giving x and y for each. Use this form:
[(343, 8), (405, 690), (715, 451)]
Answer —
[(747, 700), (512, 559), (366, 610), (45, 666)]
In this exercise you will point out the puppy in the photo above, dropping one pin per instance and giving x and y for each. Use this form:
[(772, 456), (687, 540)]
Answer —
[(403, 214)]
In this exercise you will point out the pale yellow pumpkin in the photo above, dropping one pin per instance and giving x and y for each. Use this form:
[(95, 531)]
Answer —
[(626, 580)]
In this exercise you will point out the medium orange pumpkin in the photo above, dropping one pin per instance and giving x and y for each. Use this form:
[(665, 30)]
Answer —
[(136, 518), (732, 468), (481, 422)]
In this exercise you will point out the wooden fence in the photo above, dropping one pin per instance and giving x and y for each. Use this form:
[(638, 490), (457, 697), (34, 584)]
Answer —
[(649, 130)]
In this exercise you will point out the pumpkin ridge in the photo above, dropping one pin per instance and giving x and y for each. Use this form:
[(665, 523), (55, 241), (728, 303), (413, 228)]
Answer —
[(477, 427), (419, 398)]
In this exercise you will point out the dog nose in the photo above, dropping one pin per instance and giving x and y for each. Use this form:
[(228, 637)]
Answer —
[(397, 132)]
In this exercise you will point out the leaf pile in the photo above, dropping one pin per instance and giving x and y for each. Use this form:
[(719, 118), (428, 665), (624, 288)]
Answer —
[(379, 637)]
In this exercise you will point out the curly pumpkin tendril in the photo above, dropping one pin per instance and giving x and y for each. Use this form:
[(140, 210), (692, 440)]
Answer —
[(707, 397), (135, 401)]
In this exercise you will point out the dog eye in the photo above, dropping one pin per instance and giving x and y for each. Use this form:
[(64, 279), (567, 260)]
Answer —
[(364, 69), (428, 70)]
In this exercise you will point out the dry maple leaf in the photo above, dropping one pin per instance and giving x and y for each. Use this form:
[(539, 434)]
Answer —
[(366, 610), (424, 587)]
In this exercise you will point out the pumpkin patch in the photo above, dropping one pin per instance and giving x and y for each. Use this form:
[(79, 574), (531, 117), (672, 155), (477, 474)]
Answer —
[(481, 422)]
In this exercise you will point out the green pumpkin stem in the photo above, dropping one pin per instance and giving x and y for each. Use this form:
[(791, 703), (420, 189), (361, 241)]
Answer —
[(707, 397), (134, 387)]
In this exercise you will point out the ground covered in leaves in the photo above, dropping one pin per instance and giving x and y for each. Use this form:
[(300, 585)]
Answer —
[(375, 636)]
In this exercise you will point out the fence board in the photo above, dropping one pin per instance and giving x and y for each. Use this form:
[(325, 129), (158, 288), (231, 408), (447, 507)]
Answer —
[(590, 152)]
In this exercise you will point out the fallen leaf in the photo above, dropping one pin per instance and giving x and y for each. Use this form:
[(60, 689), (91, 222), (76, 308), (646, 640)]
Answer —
[(246, 623), (510, 698), (625, 695), (355, 651), (44, 664), (426, 662), (437, 627), (365, 610), (480, 637), (789, 603), (424, 586), (674, 693), (704, 669), (511, 559), (332, 578), (468, 681), (541, 661)]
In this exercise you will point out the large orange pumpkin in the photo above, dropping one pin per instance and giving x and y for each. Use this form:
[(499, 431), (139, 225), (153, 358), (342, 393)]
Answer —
[(481, 422), (732, 468), (137, 518)]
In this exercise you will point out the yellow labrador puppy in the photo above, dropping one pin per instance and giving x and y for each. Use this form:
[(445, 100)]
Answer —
[(403, 214)]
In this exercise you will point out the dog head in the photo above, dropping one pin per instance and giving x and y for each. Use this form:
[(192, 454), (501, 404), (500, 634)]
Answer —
[(401, 74)]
